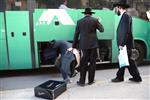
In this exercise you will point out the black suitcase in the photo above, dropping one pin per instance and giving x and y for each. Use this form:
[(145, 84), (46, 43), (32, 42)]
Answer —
[(50, 89)]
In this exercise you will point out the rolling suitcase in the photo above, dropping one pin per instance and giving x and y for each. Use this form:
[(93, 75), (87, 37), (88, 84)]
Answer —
[(50, 89)]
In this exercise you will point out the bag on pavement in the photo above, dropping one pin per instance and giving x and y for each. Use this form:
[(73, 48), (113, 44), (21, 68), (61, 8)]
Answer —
[(50, 89)]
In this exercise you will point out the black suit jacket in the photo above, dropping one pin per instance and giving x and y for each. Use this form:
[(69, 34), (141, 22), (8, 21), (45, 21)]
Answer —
[(86, 28), (124, 31)]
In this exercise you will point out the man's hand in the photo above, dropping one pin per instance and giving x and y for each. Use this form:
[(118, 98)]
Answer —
[(99, 19), (70, 49)]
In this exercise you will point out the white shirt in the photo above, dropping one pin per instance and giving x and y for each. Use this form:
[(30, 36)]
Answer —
[(62, 6), (122, 13)]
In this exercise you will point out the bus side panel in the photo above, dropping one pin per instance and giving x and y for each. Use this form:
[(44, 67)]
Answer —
[(53, 24), (2, 27), (141, 31), (114, 42), (18, 35), (3, 49), (140, 28), (106, 18), (3, 55)]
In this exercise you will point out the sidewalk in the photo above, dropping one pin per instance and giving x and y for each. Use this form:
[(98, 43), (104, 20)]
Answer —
[(100, 90)]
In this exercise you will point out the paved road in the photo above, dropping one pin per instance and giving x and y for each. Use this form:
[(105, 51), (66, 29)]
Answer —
[(21, 87)]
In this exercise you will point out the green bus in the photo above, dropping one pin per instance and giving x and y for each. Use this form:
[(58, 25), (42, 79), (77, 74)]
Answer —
[(25, 34)]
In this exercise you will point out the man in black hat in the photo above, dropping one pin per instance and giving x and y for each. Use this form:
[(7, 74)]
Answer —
[(125, 37), (88, 44)]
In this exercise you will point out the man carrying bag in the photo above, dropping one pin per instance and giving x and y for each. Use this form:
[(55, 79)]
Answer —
[(125, 37)]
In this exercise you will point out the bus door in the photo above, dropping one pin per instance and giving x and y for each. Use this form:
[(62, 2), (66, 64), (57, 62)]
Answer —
[(3, 39), (3, 48), (17, 23)]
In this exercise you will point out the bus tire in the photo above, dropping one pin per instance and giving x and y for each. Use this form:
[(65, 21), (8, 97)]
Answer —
[(139, 56)]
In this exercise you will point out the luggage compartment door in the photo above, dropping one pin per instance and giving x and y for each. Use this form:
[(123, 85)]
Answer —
[(18, 34)]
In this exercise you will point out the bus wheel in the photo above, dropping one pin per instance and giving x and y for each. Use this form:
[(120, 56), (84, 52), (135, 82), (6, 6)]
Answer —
[(139, 53)]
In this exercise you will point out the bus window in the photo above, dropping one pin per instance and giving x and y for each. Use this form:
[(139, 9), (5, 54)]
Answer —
[(144, 16), (54, 4), (48, 3), (16, 5), (148, 14), (2, 5)]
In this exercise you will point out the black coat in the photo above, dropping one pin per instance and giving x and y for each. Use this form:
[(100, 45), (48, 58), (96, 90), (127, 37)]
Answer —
[(86, 28), (124, 31)]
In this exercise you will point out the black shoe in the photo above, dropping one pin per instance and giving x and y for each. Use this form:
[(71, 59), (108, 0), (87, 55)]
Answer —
[(139, 79), (117, 80), (90, 83), (80, 84)]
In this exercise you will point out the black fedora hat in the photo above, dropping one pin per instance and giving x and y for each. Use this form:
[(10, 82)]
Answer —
[(122, 3), (88, 11)]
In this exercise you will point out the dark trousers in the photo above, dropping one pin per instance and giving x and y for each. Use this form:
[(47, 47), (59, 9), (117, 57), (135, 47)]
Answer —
[(90, 56), (132, 68)]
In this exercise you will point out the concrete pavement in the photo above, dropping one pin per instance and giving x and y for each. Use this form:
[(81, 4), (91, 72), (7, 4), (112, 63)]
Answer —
[(22, 87)]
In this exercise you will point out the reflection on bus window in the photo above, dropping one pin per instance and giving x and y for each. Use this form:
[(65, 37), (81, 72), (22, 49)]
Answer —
[(144, 16), (16, 4), (54, 4), (48, 3), (148, 14)]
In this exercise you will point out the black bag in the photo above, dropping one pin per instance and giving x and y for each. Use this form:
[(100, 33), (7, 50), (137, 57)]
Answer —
[(50, 89)]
